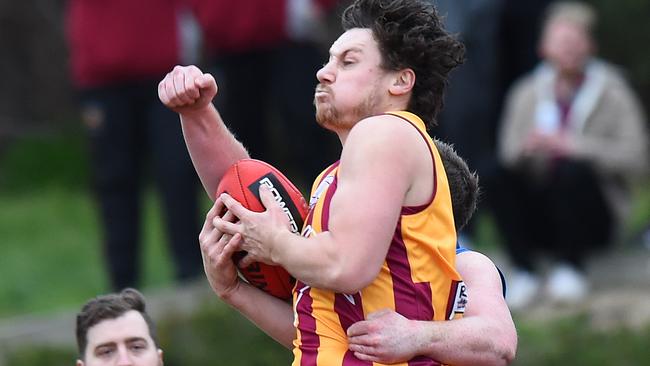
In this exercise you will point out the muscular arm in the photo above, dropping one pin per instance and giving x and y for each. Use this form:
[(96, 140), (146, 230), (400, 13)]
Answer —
[(349, 255), (486, 335), (270, 314), (212, 147)]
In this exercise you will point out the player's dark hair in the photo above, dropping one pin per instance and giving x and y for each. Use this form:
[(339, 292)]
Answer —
[(110, 306), (410, 35), (463, 184)]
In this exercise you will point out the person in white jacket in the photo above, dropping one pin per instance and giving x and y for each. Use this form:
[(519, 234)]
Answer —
[(572, 136)]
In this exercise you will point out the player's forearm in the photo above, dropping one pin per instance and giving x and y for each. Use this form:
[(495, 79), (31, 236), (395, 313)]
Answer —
[(320, 262), (468, 341), (212, 147), (272, 315)]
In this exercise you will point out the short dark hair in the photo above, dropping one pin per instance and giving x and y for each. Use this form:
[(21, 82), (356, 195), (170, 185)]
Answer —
[(110, 306), (410, 35), (463, 184)]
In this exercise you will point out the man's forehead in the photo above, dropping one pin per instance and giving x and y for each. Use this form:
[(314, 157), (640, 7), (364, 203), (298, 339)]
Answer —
[(357, 39), (127, 326)]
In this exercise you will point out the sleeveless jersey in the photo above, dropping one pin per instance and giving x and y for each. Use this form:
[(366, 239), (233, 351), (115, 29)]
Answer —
[(418, 279)]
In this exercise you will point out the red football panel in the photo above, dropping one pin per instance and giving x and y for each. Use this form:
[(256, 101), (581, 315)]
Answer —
[(242, 182)]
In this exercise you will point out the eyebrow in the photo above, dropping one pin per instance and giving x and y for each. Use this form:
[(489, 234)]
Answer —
[(128, 340), (353, 49), (136, 339)]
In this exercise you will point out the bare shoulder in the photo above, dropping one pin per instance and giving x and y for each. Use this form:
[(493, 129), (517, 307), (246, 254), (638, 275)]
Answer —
[(471, 257), (396, 149), (383, 137), (476, 265), (383, 124), (384, 132)]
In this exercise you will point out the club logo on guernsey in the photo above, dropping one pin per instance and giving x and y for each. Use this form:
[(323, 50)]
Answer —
[(322, 186), (350, 299), (460, 300), (281, 197), (307, 231)]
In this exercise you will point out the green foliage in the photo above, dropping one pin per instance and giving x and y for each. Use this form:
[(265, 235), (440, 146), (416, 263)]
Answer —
[(571, 341), (623, 31), (34, 163), (218, 335), (33, 356)]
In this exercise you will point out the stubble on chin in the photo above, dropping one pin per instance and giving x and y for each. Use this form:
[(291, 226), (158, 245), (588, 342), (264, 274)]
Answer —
[(326, 115), (330, 117)]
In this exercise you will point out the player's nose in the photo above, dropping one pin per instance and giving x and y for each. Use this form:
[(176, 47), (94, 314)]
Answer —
[(326, 74), (124, 358)]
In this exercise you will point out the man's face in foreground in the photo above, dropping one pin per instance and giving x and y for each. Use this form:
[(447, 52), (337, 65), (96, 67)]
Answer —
[(121, 341)]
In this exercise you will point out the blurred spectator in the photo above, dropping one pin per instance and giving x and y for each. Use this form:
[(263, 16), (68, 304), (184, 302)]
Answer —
[(265, 54), (573, 134), (119, 50)]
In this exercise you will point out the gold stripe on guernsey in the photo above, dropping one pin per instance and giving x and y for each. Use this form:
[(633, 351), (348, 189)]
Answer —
[(331, 350), (332, 343), (374, 297)]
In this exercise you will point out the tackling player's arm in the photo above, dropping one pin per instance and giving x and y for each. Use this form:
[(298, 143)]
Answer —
[(377, 167), (212, 147), (270, 314), (486, 335)]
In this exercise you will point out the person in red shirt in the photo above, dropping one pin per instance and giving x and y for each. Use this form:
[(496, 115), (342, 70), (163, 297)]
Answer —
[(118, 51)]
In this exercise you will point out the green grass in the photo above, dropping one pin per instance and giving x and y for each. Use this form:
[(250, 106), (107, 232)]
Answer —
[(640, 215), (571, 341), (50, 239), (51, 255)]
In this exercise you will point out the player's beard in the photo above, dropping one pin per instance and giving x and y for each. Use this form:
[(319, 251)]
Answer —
[(329, 117)]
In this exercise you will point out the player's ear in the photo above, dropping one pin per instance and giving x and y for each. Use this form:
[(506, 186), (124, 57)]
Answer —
[(80, 363), (403, 82)]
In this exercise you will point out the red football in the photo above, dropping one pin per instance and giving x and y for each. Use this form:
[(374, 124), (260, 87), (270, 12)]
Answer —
[(242, 181)]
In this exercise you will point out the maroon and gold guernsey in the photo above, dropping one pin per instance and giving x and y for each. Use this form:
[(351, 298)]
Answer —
[(418, 278)]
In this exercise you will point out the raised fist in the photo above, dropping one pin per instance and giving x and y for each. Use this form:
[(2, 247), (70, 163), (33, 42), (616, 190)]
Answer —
[(186, 89)]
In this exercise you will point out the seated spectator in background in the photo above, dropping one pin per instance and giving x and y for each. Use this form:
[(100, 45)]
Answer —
[(572, 135), (115, 329)]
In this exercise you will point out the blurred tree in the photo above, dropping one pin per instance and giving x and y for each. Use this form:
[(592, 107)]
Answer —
[(623, 33), (34, 92)]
